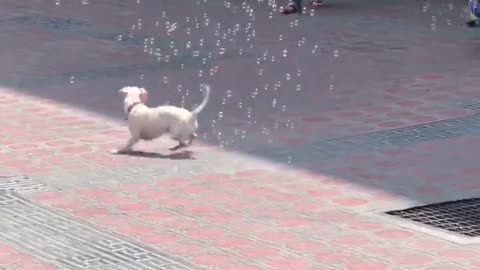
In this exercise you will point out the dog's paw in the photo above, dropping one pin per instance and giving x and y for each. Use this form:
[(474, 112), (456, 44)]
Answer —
[(178, 147)]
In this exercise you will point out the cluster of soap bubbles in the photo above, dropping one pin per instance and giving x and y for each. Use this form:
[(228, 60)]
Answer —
[(198, 42)]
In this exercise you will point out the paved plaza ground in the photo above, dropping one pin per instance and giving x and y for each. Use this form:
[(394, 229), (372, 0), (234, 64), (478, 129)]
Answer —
[(318, 124)]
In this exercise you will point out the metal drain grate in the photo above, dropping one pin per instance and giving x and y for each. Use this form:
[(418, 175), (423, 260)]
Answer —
[(73, 244), (21, 184), (474, 106), (461, 216)]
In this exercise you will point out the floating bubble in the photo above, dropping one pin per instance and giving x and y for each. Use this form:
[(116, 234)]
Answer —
[(274, 103), (254, 93), (249, 113), (172, 28), (182, 102), (301, 42)]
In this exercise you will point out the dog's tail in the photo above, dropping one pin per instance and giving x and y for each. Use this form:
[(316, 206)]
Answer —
[(206, 97)]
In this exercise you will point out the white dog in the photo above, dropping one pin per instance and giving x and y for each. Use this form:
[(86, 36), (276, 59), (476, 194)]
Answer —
[(147, 123)]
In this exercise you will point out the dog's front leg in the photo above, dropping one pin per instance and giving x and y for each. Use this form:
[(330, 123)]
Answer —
[(129, 145), (192, 137)]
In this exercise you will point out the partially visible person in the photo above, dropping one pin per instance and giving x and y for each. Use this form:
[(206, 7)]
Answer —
[(474, 11), (295, 6)]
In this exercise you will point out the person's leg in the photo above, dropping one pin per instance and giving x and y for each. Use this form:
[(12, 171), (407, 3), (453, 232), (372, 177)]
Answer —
[(295, 6), (474, 9)]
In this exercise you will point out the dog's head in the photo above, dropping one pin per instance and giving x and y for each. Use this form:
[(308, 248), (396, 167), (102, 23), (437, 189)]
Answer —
[(132, 95)]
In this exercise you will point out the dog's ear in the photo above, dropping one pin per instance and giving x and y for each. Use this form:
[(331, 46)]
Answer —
[(123, 90)]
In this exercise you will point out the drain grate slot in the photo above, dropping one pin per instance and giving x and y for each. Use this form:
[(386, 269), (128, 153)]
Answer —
[(460, 216), (475, 106)]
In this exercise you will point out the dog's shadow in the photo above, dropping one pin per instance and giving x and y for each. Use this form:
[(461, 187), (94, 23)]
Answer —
[(175, 155)]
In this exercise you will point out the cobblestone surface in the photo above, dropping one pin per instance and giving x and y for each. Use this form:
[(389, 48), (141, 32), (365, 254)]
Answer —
[(296, 162)]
